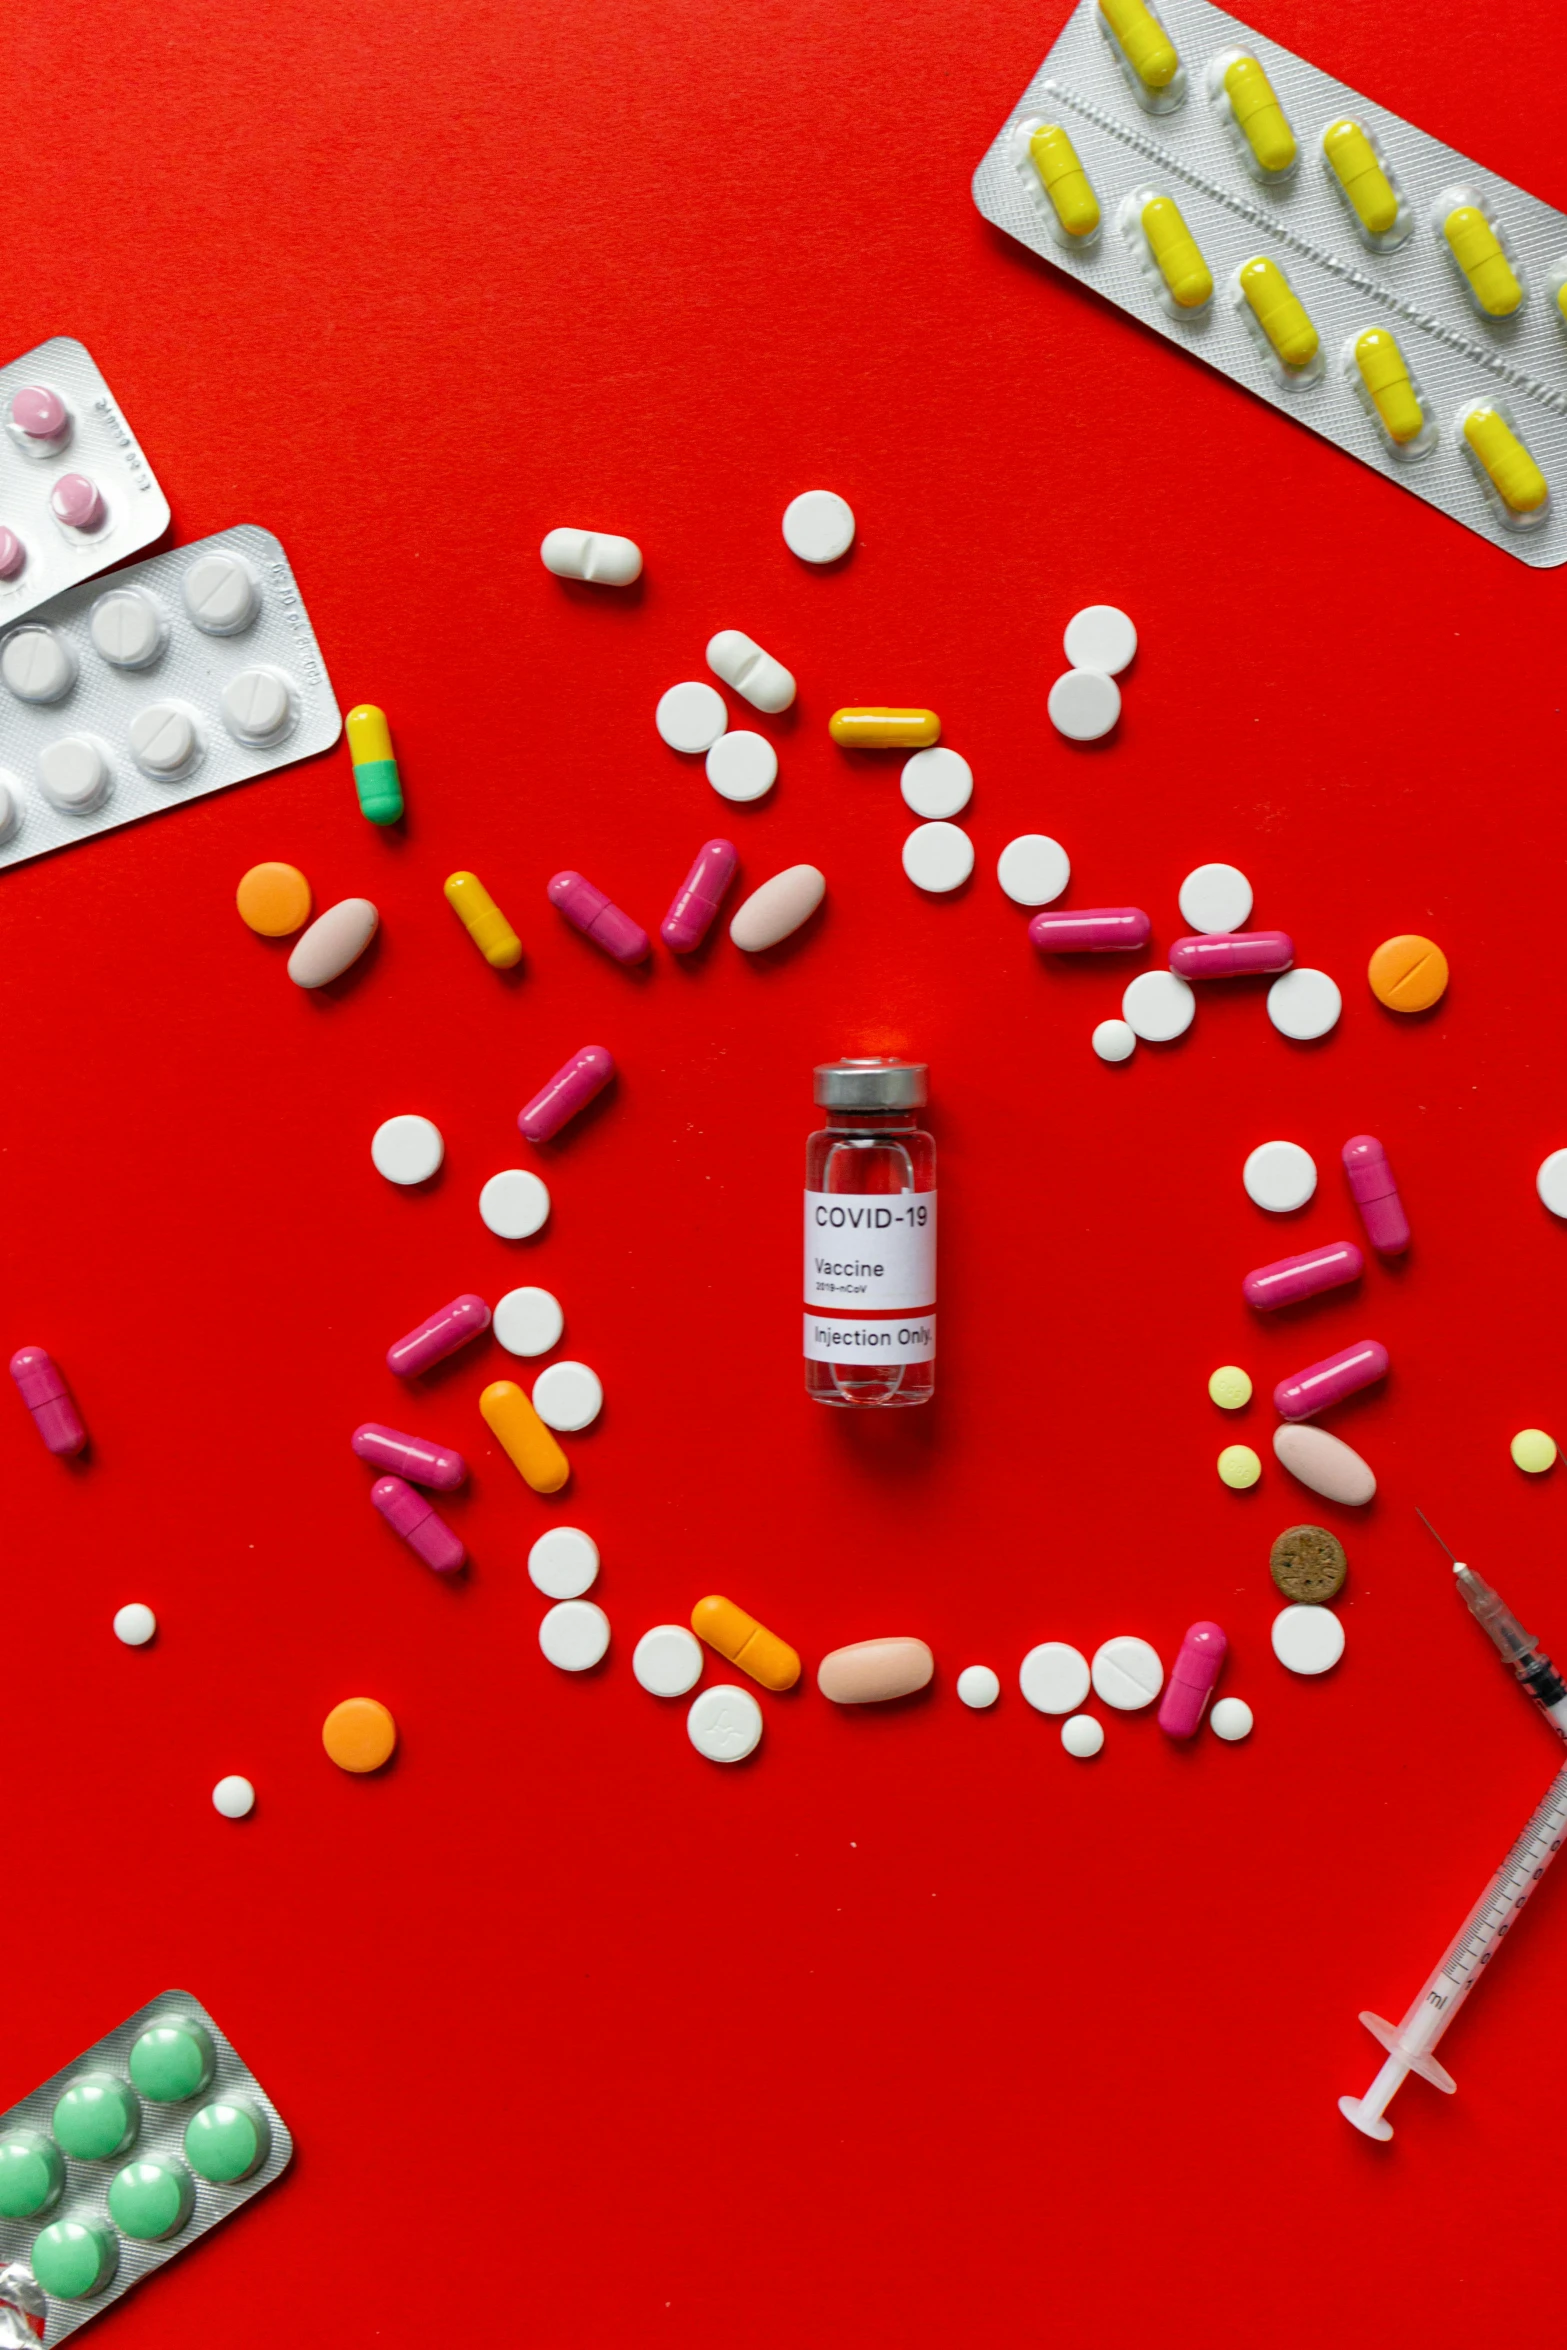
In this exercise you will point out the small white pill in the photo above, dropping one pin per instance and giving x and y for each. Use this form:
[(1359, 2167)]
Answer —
[(742, 765), (1158, 1006), (978, 1686), (528, 1321), (740, 661), (234, 1797), (691, 716), (1279, 1176), (1033, 869), (73, 774), (514, 1203), (568, 1396), (127, 628), (818, 526), (668, 1660), (1304, 1003), (221, 594), (1551, 1182), (1054, 1677), (564, 1562), (1127, 1673), (1231, 1718), (1114, 1040), (937, 782), (1100, 637), (135, 1624), (162, 739), (1308, 1639), (407, 1149), (1084, 704), (1215, 899), (598, 556), (37, 665), (1082, 1736), (938, 857), (10, 803), (257, 706), (574, 1635), (777, 909), (724, 1723)]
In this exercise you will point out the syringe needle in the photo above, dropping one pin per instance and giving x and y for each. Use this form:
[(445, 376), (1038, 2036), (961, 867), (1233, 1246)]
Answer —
[(1519, 1650), (1435, 1536)]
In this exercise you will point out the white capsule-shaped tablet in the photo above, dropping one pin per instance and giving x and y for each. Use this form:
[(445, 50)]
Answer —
[(163, 740), (779, 907), (257, 706), (740, 661), (74, 774), (594, 555), (221, 594), (334, 940), (10, 804), (127, 629), (37, 665)]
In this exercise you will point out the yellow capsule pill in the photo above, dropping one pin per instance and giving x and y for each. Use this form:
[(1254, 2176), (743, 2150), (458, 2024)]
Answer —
[(483, 920), (1064, 180), (1484, 264), (1174, 248), (745, 1642), (1279, 312), (523, 1437), (1258, 115), (1146, 46), (1386, 377), (1510, 469), (1561, 299), (875, 728), (1360, 175)]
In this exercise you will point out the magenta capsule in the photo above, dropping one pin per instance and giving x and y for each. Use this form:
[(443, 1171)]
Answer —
[(1288, 1279), (1376, 1195), (699, 896), (1232, 955), (571, 1089), (48, 1399), (445, 1331), (1329, 1381), (413, 1457), (1091, 931), (1191, 1681), (598, 918), (411, 1516)]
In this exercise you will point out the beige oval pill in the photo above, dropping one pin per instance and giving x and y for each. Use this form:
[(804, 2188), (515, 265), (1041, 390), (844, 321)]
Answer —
[(778, 907), (334, 940), (874, 1669), (1325, 1463)]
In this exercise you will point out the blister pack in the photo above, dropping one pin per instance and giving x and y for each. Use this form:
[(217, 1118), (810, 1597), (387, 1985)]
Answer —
[(177, 677), (76, 493), (1375, 284), (109, 2170)]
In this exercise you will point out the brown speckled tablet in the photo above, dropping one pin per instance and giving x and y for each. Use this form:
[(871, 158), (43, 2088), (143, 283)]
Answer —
[(1308, 1563)]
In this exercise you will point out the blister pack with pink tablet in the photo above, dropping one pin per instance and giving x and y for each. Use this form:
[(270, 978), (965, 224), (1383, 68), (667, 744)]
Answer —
[(76, 493)]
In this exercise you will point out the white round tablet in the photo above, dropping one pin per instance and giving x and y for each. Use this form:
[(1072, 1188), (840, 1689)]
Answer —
[(528, 1321), (162, 739), (1231, 1718), (1054, 1677), (724, 1723), (1082, 1736), (1159, 1006), (1127, 1673), (1114, 1040), (1551, 1182), (1084, 704), (668, 1660), (221, 595), (574, 1635), (514, 1203), (1308, 1639), (568, 1396), (691, 716), (1100, 637), (135, 1624), (126, 628), (233, 1797), (1304, 1003), (257, 706), (742, 765), (1214, 899), (937, 782), (1033, 869), (37, 665), (978, 1686), (1279, 1176), (407, 1149), (73, 774), (938, 857), (818, 526), (564, 1562)]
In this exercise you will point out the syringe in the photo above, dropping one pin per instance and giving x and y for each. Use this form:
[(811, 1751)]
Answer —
[(1533, 1669)]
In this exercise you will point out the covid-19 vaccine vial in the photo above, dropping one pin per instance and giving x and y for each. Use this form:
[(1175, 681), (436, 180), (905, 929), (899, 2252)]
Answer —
[(870, 1238)]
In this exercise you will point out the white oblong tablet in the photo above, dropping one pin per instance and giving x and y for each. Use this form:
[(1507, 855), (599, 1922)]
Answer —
[(1230, 1719), (1127, 1673), (937, 782), (334, 940), (564, 1562), (1054, 1677), (1304, 1004), (742, 765), (528, 1321), (1159, 1006), (1279, 1176), (740, 661), (978, 1686), (234, 1797), (1114, 1040), (162, 739), (73, 774), (1084, 705), (37, 665), (568, 1396), (1214, 899), (1100, 637), (668, 1660), (1308, 1639), (938, 857), (818, 526), (778, 908), (1033, 869), (10, 803), (221, 594), (597, 556), (407, 1149), (691, 716), (127, 629), (1082, 1736), (724, 1723), (1551, 1182), (135, 1624), (257, 707), (574, 1635)]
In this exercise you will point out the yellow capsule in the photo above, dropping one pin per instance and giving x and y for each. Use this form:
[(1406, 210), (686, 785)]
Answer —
[(1174, 248), (1259, 115), (1361, 177), (1482, 261), (1386, 378), (1064, 180), (1561, 298), (875, 728), (523, 1437), (1146, 46), (1279, 312), (1510, 469), (745, 1642), (483, 920)]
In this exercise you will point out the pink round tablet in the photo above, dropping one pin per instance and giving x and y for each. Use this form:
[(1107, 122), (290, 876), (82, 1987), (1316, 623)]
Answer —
[(12, 554), (40, 413), (75, 500)]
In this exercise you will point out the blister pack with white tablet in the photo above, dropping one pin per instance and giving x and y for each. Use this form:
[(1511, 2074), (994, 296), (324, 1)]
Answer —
[(177, 677), (1374, 284), (107, 2172), (76, 493)]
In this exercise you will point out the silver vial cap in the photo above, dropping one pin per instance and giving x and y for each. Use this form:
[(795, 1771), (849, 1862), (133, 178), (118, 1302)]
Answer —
[(871, 1085)]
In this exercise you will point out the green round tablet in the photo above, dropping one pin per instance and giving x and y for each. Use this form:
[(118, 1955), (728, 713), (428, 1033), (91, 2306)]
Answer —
[(74, 2258), (226, 2141), (97, 2118), (31, 2174), (172, 2059), (151, 2200)]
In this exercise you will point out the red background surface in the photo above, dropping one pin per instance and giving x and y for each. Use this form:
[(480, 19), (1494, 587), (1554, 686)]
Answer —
[(913, 2030)]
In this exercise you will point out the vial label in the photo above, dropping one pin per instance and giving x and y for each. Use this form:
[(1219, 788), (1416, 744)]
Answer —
[(869, 1257), (896, 1338)]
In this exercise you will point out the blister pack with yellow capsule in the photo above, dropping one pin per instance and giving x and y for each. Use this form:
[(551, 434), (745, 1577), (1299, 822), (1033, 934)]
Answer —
[(1381, 287)]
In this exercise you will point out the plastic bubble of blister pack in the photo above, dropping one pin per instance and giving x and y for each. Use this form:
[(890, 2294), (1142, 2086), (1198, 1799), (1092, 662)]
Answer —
[(76, 493)]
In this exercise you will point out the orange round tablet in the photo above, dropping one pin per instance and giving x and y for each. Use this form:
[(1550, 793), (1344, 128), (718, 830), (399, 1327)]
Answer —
[(273, 899), (359, 1734), (1408, 973)]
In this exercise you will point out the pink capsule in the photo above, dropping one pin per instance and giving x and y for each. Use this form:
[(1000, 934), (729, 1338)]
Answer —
[(1376, 1195), (440, 1336), (77, 501), (699, 896), (12, 554), (1191, 1681), (411, 1516), (598, 918), (1288, 1279), (413, 1457), (1233, 955), (41, 415), (1090, 931), (1329, 1381), (571, 1089), (48, 1399)]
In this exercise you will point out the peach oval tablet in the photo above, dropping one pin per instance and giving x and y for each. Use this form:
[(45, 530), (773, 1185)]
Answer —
[(1408, 973), (359, 1734), (778, 907), (273, 900), (334, 940), (1325, 1463), (871, 1670)]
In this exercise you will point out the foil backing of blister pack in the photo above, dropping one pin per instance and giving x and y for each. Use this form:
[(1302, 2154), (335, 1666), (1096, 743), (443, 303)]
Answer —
[(87, 2183), (191, 670), (1457, 358), (100, 445)]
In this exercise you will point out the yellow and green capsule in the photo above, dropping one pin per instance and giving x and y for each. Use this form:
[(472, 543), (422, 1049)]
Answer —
[(1354, 163), (1176, 253), (375, 770), (1509, 468), (1279, 312), (483, 920), (1486, 268), (1259, 117), (1146, 46), (1385, 374), (1064, 180)]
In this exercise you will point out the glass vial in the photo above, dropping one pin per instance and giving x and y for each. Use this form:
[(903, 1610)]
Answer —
[(870, 1238)]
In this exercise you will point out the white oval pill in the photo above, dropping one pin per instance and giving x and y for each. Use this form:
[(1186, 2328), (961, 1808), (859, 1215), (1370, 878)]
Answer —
[(1114, 1040), (691, 716), (37, 665), (127, 629), (1054, 1677), (668, 1660), (1231, 1718), (528, 1321), (1324, 1463), (1100, 637), (1215, 899), (778, 908), (1551, 1182), (73, 774), (234, 1797), (11, 797), (594, 555), (740, 661), (724, 1723), (564, 1562), (568, 1396), (257, 706), (162, 739), (1084, 705), (574, 1635), (1308, 1639), (1033, 869), (1082, 1736), (818, 526), (515, 1203), (938, 857), (135, 1624), (334, 940), (742, 765), (937, 782), (1304, 1004), (1127, 1673), (978, 1686), (1279, 1176), (407, 1149), (221, 594), (1159, 1006)]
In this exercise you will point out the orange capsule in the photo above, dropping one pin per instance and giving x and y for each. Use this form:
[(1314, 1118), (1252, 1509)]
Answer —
[(746, 1643)]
